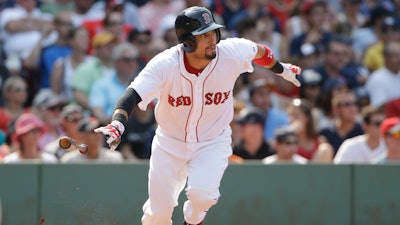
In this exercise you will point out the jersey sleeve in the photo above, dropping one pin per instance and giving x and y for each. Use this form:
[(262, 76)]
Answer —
[(243, 50), (148, 83)]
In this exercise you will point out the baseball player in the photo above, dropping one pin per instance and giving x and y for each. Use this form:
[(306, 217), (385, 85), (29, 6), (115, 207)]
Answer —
[(193, 84)]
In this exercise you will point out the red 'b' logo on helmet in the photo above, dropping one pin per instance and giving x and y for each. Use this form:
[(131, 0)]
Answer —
[(207, 18)]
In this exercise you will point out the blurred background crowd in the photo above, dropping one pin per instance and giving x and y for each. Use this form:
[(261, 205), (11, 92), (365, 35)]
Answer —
[(64, 64)]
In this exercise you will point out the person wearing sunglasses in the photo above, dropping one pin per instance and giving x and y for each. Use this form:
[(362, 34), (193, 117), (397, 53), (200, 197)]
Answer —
[(390, 132), (48, 105), (285, 144), (345, 122), (364, 148), (106, 90), (71, 115)]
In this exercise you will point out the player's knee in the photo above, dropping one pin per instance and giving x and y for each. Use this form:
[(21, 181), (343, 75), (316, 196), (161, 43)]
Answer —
[(202, 199)]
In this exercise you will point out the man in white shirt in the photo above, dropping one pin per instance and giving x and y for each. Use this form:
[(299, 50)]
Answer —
[(367, 147), (383, 84), (285, 145), (22, 28)]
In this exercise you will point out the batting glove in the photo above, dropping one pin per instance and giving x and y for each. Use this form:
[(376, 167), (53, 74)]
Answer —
[(289, 73), (113, 133)]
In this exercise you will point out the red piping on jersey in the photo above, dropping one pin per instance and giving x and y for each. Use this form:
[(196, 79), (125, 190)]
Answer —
[(204, 82), (191, 107)]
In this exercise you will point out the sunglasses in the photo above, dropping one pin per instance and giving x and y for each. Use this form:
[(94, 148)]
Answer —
[(19, 89), (376, 123), (113, 23), (289, 142), (55, 108), (73, 119), (347, 104), (127, 59)]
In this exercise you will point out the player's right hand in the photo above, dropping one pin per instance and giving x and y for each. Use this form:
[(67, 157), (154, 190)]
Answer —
[(113, 133), (289, 73)]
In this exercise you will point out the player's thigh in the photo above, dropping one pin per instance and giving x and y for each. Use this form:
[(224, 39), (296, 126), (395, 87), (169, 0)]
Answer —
[(208, 165), (167, 176)]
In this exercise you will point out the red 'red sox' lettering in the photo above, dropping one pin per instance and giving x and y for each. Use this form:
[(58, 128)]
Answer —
[(211, 98), (181, 100), (216, 98)]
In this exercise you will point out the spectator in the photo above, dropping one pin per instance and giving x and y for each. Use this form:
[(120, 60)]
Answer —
[(296, 23), (113, 23), (48, 105), (71, 115), (390, 131), (142, 39), (368, 34), (41, 60), (128, 8), (311, 86), (167, 31), (266, 27), (309, 57), (22, 27), (64, 68), (247, 28), (88, 72), (106, 90), (85, 11), (260, 98), (94, 141), (28, 130), (331, 88), (345, 124), (14, 91), (302, 122), (252, 144), (364, 148), (383, 84), (349, 17), (389, 32), (316, 34), (285, 145), (226, 10), (334, 61), (138, 135)]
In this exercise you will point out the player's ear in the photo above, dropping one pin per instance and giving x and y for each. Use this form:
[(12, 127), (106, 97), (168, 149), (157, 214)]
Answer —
[(189, 44)]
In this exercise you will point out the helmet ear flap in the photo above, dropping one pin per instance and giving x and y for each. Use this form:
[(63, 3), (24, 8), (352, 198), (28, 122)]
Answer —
[(189, 44)]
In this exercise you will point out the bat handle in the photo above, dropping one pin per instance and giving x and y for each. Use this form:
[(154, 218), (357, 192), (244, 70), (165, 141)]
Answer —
[(82, 148)]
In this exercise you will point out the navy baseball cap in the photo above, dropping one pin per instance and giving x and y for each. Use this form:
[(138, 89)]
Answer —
[(285, 133), (251, 117)]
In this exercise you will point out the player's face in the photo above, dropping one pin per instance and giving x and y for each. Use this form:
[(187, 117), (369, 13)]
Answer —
[(206, 45)]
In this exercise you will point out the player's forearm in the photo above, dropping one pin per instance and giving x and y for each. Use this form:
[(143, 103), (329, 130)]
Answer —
[(266, 58), (125, 105)]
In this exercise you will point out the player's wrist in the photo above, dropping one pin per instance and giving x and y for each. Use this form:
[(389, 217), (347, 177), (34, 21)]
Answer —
[(119, 126)]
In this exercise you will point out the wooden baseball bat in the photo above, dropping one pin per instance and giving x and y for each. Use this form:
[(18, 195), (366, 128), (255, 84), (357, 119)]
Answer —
[(70, 144)]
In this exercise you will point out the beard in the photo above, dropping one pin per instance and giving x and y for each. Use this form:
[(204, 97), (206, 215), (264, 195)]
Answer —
[(211, 56)]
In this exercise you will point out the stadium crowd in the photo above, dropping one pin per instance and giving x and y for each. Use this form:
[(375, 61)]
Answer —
[(64, 64)]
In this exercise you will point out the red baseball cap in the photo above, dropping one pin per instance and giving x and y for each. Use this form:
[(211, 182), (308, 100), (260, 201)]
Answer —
[(27, 122), (390, 125)]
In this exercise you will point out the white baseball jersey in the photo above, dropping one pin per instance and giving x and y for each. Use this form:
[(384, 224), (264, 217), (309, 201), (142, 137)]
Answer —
[(194, 108)]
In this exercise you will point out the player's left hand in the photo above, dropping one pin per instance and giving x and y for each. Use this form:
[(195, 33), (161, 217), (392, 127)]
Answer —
[(113, 133), (289, 73)]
